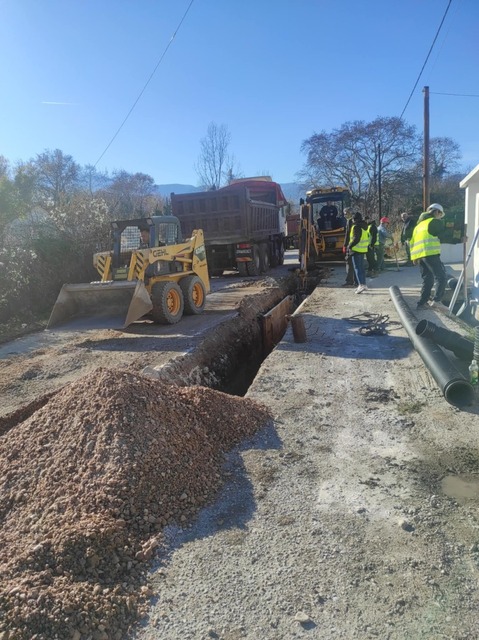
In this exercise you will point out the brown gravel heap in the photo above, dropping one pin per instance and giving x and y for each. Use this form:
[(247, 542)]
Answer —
[(87, 484)]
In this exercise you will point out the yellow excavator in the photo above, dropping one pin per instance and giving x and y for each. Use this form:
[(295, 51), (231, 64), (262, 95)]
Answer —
[(150, 272)]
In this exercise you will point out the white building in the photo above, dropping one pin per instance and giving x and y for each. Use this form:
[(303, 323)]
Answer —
[(471, 185)]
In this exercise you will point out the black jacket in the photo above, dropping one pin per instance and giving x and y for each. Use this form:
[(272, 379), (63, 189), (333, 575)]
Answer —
[(373, 231), (407, 229)]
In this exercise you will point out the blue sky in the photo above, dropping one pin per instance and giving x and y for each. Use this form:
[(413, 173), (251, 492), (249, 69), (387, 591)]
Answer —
[(274, 72)]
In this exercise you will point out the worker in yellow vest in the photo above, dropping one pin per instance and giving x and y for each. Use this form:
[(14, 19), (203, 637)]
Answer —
[(426, 251), (358, 247)]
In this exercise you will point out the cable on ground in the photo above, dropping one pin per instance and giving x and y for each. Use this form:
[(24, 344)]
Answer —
[(372, 324)]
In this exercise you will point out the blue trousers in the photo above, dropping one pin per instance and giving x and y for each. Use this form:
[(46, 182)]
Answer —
[(359, 270)]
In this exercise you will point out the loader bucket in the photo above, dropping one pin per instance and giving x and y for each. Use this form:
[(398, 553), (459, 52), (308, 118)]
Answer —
[(109, 305)]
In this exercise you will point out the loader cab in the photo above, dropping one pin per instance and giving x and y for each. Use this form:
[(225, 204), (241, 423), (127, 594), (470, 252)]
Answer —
[(140, 234), (324, 209)]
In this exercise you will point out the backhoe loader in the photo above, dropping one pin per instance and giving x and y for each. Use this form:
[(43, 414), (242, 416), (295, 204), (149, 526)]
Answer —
[(150, 271)]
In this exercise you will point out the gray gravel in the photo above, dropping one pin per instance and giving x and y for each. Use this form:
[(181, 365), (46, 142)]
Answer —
[(353, 515)]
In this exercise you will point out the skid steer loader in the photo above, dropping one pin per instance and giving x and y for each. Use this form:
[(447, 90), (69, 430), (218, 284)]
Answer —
[(151, 271)]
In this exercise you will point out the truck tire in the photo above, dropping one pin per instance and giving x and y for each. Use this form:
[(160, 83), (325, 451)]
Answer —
[(168, 302), (253, 267), (264, 258), (194, 295), (277, 257), (242, 268)]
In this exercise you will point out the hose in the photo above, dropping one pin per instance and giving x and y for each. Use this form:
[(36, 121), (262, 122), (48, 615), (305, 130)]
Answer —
[(456, 389)]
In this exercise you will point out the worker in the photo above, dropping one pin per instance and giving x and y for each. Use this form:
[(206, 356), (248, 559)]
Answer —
[(426, 251), (144, 237), (350, 275), (358, 247), (328, 217), (408, 224), (371, 254), (383, 237)]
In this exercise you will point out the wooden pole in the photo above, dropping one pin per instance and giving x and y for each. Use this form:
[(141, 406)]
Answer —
[(379, 183), (425, 176)]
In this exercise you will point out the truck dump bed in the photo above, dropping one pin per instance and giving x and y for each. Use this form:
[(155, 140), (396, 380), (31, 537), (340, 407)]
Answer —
[(232, 214)]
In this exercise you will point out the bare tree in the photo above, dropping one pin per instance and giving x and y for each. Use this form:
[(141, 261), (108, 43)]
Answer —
[(444, 156), (132, 195), (215, 165), (353, 155), (57, 177)]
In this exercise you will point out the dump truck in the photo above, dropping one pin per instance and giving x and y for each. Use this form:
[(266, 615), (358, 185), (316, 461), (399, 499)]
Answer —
[(151, 271), (322, 215), (244, 224), (293, 221)]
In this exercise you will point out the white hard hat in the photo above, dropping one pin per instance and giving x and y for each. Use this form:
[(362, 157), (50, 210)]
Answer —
[(435, 207)]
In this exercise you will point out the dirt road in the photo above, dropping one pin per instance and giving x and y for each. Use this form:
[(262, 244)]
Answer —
[(355, 515), (43, 362)]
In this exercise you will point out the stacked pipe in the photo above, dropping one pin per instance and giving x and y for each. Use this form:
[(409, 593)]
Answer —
[(456, 389)]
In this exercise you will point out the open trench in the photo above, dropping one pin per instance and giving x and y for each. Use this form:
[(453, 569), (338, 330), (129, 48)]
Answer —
[(93, 472), (230, 357)]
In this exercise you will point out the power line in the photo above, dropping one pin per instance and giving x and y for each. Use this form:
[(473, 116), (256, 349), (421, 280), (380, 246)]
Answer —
[(460, 95), (427, 58), (146, 84)]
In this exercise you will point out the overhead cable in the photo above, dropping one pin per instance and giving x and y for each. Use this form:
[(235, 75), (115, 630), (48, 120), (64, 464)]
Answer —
[(460, 95), (146, 84), (427, 58)]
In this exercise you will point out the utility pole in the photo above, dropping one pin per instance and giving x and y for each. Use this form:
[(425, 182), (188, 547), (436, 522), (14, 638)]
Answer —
[(379, 182), (425, 174)]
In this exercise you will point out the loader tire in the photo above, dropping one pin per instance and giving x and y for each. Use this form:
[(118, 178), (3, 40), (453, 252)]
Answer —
[(194, 295), (253, 267), (168, 302)]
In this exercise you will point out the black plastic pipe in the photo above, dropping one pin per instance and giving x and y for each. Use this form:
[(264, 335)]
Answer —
[(460, 346), (456, 389)]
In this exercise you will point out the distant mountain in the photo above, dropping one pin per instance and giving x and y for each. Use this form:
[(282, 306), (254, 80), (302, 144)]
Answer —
[(165, 190), (291, 190)]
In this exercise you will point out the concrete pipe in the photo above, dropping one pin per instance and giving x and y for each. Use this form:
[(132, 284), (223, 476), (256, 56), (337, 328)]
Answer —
[(456, 389)]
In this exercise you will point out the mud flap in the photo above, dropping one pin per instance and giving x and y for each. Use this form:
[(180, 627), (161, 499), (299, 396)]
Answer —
[(100, 305)]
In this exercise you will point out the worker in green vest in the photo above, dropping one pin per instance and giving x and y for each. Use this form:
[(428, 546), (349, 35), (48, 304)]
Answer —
[(426, 251)]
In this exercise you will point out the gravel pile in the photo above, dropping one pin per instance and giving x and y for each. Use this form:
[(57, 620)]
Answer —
[(87, 484)]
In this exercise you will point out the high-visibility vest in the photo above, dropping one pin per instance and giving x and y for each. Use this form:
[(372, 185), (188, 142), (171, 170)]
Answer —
[(422, 242), (362, 246)]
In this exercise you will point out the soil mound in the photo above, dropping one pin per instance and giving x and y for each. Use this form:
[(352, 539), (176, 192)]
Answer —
[(87, 484)]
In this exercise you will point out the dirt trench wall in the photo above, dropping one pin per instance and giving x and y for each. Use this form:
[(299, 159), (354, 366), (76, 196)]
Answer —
[(228, 347)]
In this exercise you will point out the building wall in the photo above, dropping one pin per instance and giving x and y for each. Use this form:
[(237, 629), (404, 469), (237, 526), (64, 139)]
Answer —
[(471, 185)]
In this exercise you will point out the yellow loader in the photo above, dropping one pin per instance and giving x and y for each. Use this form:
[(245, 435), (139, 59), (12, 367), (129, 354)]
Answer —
[(151, 271)]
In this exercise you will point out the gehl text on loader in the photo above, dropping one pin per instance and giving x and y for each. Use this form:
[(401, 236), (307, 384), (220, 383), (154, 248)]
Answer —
[(150, 272)]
